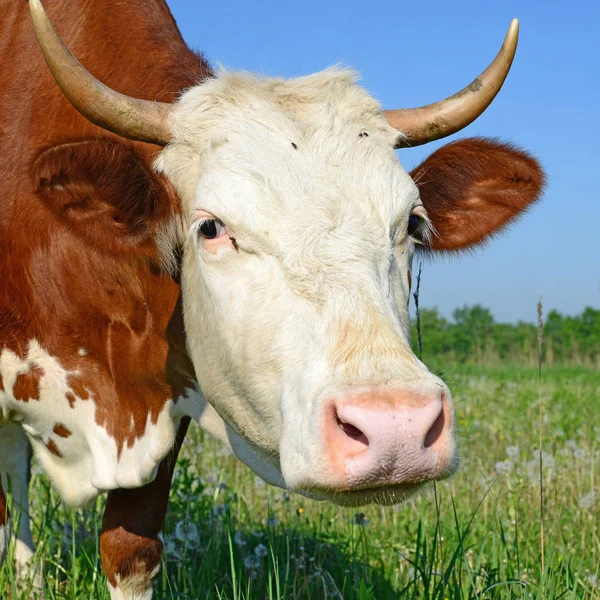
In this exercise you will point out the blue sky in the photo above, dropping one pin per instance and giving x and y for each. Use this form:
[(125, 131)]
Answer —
[(413, 53)]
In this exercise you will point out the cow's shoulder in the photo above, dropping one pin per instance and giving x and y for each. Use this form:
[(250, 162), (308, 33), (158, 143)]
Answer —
[(92, 350)]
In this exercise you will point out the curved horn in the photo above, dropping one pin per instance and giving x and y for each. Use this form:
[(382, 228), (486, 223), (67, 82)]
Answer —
[(434, 121), (132, 118)]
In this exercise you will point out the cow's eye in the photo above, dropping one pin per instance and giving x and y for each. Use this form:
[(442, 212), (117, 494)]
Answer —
[(211, 229), (414, 222)]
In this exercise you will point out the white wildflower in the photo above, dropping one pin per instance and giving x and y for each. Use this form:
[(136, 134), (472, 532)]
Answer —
[(261, 551), (547, 459), (587, 502), (251, 562), (512, 452), (593, 580), (186, 532), (170, 548), (503, 466), (238, 538)]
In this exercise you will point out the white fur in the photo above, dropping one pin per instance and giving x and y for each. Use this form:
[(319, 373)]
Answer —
[(314, 298), (89, 461), (136, 588)]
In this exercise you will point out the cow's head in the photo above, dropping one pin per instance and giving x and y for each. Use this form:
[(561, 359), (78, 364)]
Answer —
[(300, 228)]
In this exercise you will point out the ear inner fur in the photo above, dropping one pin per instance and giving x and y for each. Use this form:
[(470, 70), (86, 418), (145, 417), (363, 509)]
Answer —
[(473, 188)]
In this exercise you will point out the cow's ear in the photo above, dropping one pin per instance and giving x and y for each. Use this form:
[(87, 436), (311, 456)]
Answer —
[(106, 193), (473, 188)]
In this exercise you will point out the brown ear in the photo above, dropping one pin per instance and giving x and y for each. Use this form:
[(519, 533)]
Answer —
[(473, 188), (105, 193)]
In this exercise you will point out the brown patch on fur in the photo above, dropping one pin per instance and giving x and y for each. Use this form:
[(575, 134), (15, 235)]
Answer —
[(71, 398), (475, 187), (61, 431), (1, 383), (27, 385), (409, 283), (78, 388), (51, 445)]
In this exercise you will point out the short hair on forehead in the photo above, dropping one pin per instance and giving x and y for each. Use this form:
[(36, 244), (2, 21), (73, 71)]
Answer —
[(305, 106)]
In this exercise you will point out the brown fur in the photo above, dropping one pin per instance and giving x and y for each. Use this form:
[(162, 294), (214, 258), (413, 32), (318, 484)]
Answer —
[(61, 431), (27, 385), (474, 187), (52, 447), (80, 210)]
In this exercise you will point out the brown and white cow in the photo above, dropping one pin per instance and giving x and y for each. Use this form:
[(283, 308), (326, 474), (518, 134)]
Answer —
[(253, 274)]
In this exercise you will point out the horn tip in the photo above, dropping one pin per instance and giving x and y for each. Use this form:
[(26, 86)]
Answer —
[(38, 13), (513, 30), (36, 5)]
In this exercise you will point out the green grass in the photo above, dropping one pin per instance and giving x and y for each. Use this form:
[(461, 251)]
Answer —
[(229, 536)]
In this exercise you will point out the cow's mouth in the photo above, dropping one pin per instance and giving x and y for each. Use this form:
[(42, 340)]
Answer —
[(382, 495)]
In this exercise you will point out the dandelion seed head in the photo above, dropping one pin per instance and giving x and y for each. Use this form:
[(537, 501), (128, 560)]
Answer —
[(587, 502), (186, 531), (238, 539), (512, 452), (261, 551), (251, 562), (593, 580), (503, 467)]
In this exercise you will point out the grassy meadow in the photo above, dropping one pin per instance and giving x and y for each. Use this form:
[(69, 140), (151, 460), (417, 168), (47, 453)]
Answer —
[(230, 536)]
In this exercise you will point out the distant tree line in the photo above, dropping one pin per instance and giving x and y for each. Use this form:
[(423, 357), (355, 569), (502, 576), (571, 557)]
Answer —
[(474, 336)]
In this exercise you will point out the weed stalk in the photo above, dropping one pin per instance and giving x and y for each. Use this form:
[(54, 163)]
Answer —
[(540, 339)]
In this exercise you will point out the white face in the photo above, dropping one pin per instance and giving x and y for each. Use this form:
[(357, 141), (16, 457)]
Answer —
[(296, 281)]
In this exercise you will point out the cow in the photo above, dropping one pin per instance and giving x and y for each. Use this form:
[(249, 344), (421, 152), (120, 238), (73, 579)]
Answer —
[(213, 246)]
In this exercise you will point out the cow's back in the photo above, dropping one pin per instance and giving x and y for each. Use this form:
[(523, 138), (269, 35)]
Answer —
[(92, 356)]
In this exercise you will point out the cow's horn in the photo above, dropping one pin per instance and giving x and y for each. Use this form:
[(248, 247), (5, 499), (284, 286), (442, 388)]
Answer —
[(132, 118), (434, 121)]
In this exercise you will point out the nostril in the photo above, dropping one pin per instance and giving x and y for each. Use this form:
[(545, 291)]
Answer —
[(352, 432), (435, 431)]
